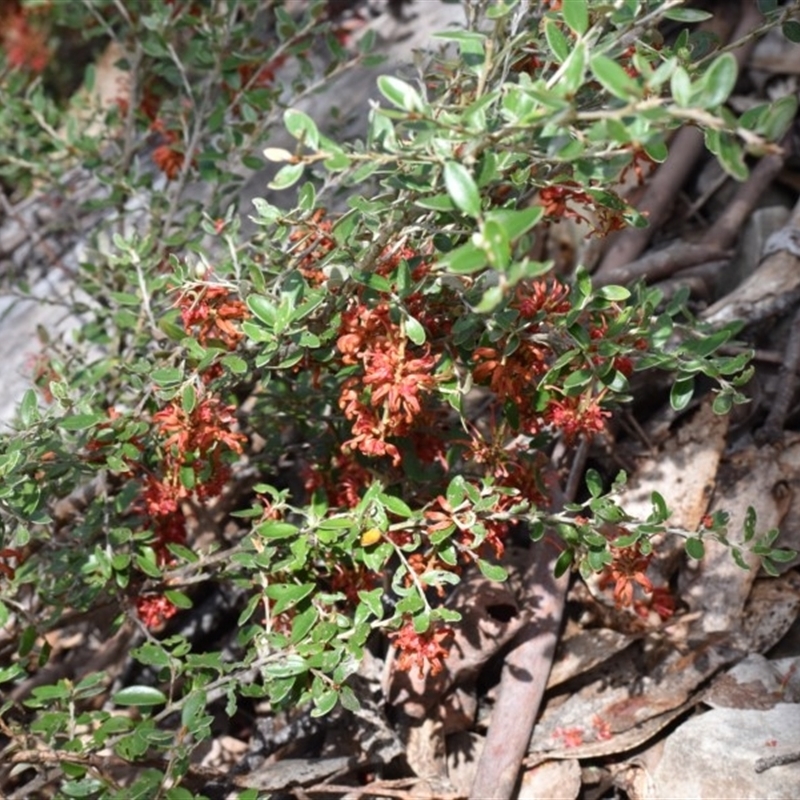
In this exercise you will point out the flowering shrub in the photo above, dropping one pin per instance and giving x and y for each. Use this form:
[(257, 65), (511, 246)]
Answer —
[(336, 417)]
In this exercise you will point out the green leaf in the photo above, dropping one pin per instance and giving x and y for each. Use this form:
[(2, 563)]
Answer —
[(263, 308), (594, 483), (492, 572), (616, 294), (791, 30), (722, 404), (301, 127), (273, 529), (749, 523), (516, 222), (681, 393), (496, 244), (564, 562), (396, 506), (614, 78), (79, 422), (29, 408), (167, 376), (287, 595), (681, 87), (660, 509), (687, 15), (287, 176), (462, 188), (414, 331), (556, 40), (188, 398), (178, 599), (400, 94), (325, 703), (695, 548), (573, 77), (139, 696), (718, 81), (464, 260), (576, 15), (779, 117)]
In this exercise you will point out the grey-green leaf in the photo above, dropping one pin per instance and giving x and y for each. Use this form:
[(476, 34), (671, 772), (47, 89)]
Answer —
[(462, 188)]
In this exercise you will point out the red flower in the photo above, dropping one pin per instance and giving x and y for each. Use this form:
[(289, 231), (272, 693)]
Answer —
[(155, 610), (627, 571), (168, 160), (25, 47), (421, 649), (576, 415)]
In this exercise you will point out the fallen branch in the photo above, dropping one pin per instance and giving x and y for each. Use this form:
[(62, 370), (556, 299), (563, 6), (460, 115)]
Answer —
[(526, 668)]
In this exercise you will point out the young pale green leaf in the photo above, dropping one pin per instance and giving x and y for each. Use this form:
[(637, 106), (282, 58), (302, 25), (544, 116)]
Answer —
[(462, 188), (614, 79), (142, 696), (301, 127), (400, 94), (287, 176), (576, 15), (681, 87)]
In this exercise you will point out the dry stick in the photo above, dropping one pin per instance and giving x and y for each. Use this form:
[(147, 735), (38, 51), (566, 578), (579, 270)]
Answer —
[(686, 148), (660, 264), (772, 430), (724, 232), (523, 680), (526, 668)]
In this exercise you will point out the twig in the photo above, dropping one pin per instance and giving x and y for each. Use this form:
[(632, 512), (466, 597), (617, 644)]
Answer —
[(723, 233), (768, 762), (772, 431), (659, 264), (525, 672)]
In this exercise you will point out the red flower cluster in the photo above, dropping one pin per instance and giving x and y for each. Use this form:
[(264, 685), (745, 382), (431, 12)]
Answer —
[(155, 610), (25, 46), (511, 367), (422, 649), (166, 156), (194, 445), (385, 400), (210, 313), (576, 415), (629, 570), (314, 241)]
